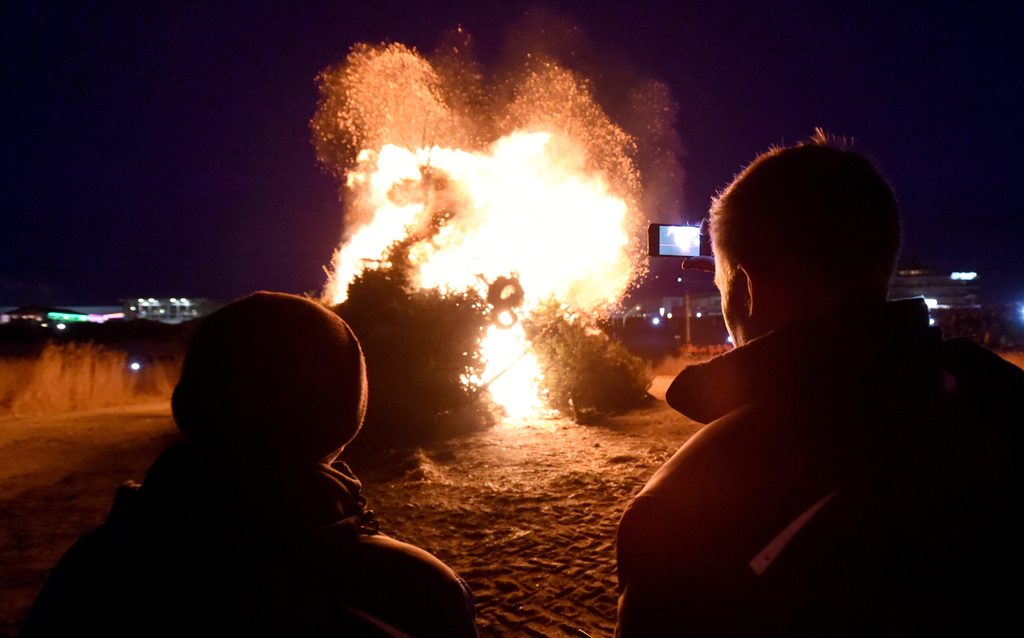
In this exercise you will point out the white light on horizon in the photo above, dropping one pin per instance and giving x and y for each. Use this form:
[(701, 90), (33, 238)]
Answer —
[(931, 302), (656, 321), (963, 276), (135, 366)]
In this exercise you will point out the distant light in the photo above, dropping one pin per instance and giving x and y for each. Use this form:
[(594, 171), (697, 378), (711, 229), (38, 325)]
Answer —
[(67, 317), (44, 325), (728, 339), (668, 316), (931, 303), (61, 326), (661, 311), (135, 366), (141, 300), (132, 308), (679, 280), (931, 321), (174, 300), (699, 315), (963, 276), (656, 321)]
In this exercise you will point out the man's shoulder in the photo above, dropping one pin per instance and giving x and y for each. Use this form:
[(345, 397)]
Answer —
[(398, 583), (736, 449), (736, 480), (976, 365), (705, 474)]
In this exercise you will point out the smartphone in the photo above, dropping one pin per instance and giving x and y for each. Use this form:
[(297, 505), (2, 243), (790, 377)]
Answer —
[(667, 240)]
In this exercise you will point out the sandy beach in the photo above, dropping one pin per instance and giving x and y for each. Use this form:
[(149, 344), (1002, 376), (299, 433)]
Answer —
[(526, 512)]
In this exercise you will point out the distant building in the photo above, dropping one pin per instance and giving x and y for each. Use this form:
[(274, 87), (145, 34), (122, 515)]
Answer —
[(953, 290), (703, 305), (172, 310), (166, 310), (942, 291), (60, 317), (34, 314)]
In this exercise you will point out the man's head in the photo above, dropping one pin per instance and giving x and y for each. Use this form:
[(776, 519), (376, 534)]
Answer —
[(802, 231), (272, 378)]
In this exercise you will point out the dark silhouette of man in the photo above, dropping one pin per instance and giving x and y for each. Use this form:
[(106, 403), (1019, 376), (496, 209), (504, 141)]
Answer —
[(857, 475), (250, 526)]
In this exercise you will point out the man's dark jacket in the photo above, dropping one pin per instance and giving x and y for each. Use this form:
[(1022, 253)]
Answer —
[(857, 476), (203, 550)]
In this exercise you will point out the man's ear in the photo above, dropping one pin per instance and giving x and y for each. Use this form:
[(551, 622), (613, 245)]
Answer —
[(747, 283)]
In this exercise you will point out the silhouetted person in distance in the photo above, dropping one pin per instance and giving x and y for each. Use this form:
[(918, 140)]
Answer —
[(857, 474), (250, 527)]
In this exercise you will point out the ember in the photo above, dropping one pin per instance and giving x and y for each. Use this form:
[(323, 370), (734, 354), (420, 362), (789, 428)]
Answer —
[(534, 193)]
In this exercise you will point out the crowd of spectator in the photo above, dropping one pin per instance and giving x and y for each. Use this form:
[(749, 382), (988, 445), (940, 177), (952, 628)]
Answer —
[(995, 327)]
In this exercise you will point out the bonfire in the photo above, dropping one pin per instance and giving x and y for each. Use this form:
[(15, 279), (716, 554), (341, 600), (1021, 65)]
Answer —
[(521, 192)]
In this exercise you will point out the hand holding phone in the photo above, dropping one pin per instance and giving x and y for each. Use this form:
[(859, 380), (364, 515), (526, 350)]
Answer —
[(702, 263)]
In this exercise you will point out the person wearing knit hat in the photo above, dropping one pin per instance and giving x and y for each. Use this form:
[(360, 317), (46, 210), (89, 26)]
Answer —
[(250, 524)]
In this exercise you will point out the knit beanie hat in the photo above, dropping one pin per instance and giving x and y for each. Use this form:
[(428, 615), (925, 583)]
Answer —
[(274, 378)]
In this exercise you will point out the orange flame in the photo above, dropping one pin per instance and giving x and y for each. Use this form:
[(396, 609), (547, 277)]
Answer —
[(551, 201)]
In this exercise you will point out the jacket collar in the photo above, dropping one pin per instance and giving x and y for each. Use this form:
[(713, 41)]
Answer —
[(187, 485), (800, 356)]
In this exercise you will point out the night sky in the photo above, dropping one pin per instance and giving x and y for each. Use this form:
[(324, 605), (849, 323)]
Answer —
[(163, 149)]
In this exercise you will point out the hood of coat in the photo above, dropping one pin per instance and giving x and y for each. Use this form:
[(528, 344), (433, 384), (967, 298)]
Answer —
[(859, 345), (188, 490), (273, 377)]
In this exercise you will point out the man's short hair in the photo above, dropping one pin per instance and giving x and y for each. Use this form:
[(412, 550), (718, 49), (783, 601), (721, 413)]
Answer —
[(814, 213)]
